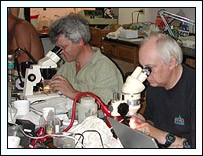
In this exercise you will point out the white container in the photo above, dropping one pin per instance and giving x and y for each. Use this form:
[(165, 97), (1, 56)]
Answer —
[(128, 33), (22, 106), (87, 107), (66, 123), (12, 112), (13, 142)]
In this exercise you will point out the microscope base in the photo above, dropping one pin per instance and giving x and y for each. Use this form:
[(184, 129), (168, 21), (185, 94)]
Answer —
[(40, 96)]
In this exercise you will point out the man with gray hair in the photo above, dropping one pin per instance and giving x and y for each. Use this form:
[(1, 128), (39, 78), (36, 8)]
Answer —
[(85, 67), (170, 114)]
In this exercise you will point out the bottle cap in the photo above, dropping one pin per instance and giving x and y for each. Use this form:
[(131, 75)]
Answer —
[(10, 56)]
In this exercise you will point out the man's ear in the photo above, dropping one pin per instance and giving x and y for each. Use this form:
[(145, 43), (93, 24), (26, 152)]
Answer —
[(172, 63), (81, 42)]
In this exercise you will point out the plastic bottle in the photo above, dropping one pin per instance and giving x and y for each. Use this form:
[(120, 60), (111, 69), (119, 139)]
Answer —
[(87, 107), (11, 70), (11, 78), (50, 128)]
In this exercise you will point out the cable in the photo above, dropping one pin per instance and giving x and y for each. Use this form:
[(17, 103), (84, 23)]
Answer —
[(39, 137), (133, 14), (103, 107), (16, 53), (26, 52), (79, 138), (18, 70), (139, 11), (37, 102), (93, 131), (59, 135), (51, 135), (138, 16)]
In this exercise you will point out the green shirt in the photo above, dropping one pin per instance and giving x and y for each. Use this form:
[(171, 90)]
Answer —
[(99, 76)]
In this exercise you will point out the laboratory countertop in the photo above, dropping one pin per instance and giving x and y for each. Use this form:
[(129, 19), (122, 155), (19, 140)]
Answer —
[(188, 52)]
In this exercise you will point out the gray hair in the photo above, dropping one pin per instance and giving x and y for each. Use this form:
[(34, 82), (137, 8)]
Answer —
[(167, 47), (73, 27)]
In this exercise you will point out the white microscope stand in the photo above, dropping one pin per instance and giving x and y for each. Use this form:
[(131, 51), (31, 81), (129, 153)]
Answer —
[(33, 76)]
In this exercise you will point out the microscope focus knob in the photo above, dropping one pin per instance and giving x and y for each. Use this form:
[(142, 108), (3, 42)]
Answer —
[(31, 77), (123, 109)]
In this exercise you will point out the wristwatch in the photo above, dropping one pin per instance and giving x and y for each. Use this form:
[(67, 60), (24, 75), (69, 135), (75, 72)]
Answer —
[(186, 144), (170, 138)]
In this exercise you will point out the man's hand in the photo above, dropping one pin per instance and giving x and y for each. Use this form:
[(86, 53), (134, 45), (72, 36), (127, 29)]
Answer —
[(60, 83), (136, 120), (139, 123)]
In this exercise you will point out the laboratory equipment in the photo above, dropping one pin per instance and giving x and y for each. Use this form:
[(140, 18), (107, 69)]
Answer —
[(19, 82), (108, 13), (165, 14), (95, 17), (38, 72), (126, 103), (27, 126)]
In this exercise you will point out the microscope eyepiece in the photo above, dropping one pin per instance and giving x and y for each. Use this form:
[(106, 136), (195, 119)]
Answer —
[(57, 50), (147, 70)]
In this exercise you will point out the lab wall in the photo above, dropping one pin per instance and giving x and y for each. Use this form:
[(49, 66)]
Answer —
[(150, 14), (124, 16)]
